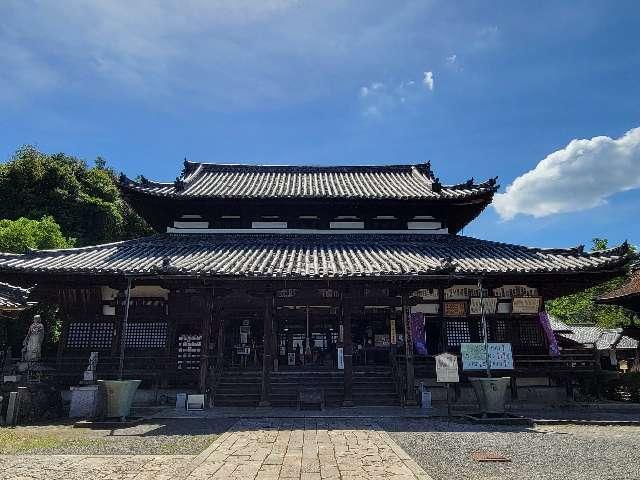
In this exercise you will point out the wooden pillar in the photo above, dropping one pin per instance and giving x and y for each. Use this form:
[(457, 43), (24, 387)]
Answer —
[(267, 357), (348, 357), (207, 319), (408, 339)]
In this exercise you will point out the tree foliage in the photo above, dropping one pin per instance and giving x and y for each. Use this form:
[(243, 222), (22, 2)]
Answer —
[(581, 308), (84, 201), (18, 236)]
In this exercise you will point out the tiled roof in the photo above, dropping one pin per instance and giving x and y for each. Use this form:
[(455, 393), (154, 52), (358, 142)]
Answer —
[(602, 338), (402, 182), (13, 297), (630, 289), (314, 256)]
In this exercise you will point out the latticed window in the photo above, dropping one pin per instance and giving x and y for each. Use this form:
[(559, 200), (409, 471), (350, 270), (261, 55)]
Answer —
[(90, 335), (499, 330), (531, 333), (146, 335), (457, 333)]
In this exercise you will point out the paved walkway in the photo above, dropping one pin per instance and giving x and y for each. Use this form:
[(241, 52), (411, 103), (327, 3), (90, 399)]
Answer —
[(252, 449)]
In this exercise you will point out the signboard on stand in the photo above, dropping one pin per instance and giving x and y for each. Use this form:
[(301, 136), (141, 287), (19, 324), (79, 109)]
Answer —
[(392, 332), (474, 356), (447, 368)]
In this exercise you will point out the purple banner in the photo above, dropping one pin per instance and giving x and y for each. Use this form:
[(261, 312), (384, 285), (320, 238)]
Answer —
[(417, 332), (554, 351)]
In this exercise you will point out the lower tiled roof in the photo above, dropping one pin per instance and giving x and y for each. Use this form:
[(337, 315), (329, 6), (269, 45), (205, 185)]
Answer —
[(314, 256), (13, 297), (630, 289)]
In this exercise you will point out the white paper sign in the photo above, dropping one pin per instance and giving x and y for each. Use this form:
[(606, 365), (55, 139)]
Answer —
[(340, 358), (474, 356), (291, 359), (447, 368)]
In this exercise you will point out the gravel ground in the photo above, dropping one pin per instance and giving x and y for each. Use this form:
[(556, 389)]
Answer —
[(569, 452), (165, 437)]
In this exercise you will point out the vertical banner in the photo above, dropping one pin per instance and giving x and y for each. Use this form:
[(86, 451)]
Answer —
[(554, 351), (340, 358), (392, 333), (417, 333)]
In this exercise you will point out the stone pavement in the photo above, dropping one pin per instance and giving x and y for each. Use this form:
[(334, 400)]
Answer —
[(345, 449)]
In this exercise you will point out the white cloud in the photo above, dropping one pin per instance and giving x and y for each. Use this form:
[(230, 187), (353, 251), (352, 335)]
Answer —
[(451, 59), (428, 80), (223, 53), (379, 98), (578, 177)]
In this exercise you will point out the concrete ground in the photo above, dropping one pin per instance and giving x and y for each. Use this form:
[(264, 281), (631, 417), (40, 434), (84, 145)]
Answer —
[(319, 447), (253, 448)]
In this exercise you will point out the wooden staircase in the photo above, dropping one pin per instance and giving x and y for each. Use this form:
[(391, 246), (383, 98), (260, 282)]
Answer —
[(371, 386)]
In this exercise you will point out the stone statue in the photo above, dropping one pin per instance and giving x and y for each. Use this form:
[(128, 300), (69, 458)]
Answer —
[(32, 344), (93, 362)]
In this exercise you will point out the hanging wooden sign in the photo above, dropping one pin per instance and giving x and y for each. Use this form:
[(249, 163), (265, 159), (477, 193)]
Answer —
[(328, 293), (530, 305), (427, 294), (287, 293), (462, 292), (511, 291), (490, 305), (455, 309), (428, 308)]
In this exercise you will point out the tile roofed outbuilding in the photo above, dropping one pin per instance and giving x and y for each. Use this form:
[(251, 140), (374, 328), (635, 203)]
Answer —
[(310, 256), (13, 297), (229, 181), (628, 295)]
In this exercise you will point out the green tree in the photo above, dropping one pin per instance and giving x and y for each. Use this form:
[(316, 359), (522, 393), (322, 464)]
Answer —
[(85, 201), (18, 236), (581, 308)]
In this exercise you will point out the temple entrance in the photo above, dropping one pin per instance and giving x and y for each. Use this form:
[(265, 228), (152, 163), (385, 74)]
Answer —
[(307, 337)]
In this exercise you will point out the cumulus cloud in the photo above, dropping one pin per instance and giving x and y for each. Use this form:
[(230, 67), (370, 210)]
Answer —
[(428, 80), (578, 177)]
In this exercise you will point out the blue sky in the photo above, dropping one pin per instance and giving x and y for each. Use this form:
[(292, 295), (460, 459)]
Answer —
[(480, 88)]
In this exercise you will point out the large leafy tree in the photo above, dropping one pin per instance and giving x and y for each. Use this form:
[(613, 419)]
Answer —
[(581, 308), (84, 201), (18, 236)]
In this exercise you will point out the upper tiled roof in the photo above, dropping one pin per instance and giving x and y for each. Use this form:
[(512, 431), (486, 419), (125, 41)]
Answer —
[(310, 256), (402, 182), (13, 297)]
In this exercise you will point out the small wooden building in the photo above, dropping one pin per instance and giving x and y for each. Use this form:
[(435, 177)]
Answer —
[(268, 278)]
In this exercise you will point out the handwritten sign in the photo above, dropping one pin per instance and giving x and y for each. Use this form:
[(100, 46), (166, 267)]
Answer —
[(490, 305), (455, 309), (526, 305), (447, 368), (510, 291), (462, 292), (474, 356)]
